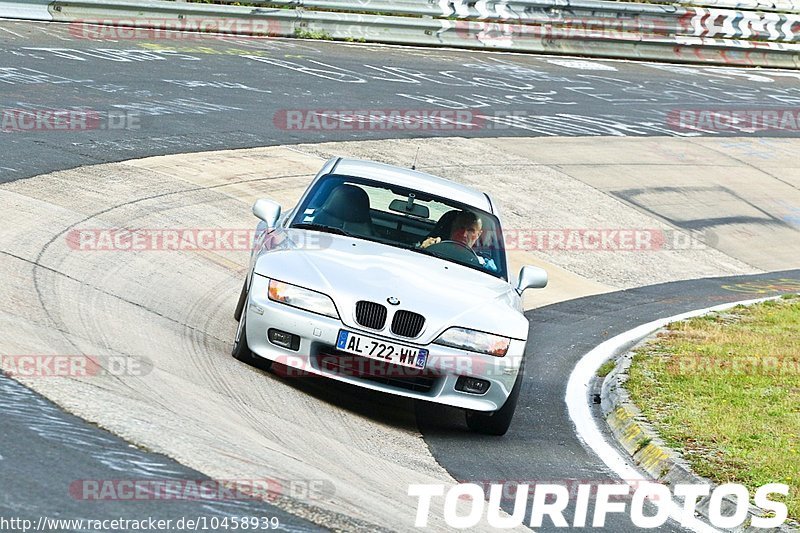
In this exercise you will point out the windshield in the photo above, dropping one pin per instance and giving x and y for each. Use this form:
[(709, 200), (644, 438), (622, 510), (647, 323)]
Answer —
[(405, 218)]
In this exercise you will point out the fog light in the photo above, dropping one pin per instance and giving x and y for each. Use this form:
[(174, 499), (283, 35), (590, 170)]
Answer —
[(472, 385), (283, 339)]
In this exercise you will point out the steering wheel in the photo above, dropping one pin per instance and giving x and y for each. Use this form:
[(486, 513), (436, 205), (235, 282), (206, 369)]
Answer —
[(455, 250)]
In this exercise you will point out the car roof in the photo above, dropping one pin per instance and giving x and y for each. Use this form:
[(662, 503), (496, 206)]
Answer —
[(414, 179)]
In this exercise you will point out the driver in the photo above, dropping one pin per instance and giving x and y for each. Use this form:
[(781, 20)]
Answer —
[(466, 229)]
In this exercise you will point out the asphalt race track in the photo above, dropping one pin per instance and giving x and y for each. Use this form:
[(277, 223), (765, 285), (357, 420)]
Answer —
[(194, 94), (541, 446), (44, 448), (199, 93)]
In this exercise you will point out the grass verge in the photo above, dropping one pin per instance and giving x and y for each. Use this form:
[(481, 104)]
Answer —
[(724, 390), (606, 368)]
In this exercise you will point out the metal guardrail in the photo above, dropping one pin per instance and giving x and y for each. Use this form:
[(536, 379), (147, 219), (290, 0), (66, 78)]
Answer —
[(26, 10), (781, 6), (603, 28), (487, 7), (594, 15)]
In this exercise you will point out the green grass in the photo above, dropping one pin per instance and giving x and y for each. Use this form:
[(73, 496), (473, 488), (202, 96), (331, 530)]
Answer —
[(312, 34), (724, 389), (606, 368)]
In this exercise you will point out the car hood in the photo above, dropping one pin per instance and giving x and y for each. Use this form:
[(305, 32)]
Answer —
[(349, 270)]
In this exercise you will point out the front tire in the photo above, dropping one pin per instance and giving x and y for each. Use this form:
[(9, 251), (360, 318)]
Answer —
[(237, 313), (241, 351), (497, 422)]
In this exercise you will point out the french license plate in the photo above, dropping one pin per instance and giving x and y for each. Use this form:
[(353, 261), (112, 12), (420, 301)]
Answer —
[(381, 350)]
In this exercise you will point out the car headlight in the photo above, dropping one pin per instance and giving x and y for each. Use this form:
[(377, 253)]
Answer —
[(474, 341), (306, 299)]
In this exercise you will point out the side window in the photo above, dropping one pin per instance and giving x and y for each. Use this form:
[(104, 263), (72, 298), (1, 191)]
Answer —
[(317, 200)]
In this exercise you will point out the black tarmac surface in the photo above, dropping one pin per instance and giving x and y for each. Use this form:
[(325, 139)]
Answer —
[(541, 446), (188, 92)]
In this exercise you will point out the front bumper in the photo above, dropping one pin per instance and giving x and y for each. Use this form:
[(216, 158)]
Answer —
[(317, 356)]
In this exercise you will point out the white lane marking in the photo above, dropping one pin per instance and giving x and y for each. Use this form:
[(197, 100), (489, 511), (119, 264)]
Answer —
[(581, 64), (786, 74), (53, 34), (581, 415), (12, 32)]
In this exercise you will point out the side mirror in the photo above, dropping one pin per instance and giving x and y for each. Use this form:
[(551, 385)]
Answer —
[(531, 277), (268, 211)]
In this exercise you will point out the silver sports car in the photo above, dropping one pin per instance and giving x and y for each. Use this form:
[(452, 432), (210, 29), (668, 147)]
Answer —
[(393, 280)]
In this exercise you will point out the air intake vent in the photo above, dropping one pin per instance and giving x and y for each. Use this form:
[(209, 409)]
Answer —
[(407, 324), (370, 315)]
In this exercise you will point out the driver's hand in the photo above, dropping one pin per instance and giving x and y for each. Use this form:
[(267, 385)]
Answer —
[(430, 240)]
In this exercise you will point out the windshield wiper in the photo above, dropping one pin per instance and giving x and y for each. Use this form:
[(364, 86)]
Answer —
[(322, 227)]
